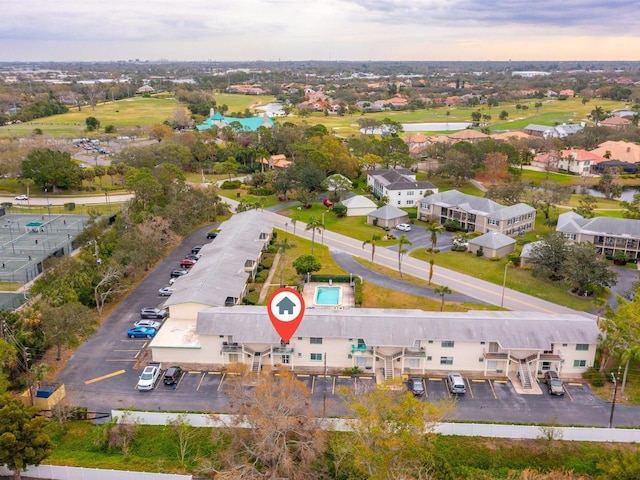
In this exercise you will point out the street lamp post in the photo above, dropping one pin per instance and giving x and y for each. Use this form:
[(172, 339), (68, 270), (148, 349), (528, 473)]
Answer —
[(615, 394), (504, 284)]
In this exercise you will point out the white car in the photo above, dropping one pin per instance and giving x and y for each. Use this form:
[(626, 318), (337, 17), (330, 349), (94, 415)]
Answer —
[(148, 323), (149, 376), (403, 227), (22, 197)]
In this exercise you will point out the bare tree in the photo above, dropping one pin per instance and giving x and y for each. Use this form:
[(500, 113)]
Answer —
[(283, 439), (109, 286)]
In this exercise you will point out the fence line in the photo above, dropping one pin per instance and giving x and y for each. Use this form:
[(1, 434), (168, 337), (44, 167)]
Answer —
[(577, 434), (55, 472)]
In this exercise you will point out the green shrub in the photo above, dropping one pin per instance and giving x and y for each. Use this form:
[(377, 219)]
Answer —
[(261, 276), (596, 378), (252, 298), (480, 252), (70, 207), (341, 211), (231, 184), (351, 371), (260, 191), (495, 259), (267, 261)]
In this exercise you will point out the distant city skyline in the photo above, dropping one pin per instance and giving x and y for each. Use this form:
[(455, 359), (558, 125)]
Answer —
[(289, 30)]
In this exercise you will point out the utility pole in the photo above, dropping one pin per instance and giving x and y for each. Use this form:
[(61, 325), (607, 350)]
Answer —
[(615, 394), (25, 356)]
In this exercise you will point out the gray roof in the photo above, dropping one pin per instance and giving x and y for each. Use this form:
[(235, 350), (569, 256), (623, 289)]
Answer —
[(571, 222), (388, 212), (400, 179), (387, 327), (468, 203), (220, 271), (493, 240), (512, 211)]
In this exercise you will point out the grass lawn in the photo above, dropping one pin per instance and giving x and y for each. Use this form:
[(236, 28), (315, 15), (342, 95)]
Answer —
[(238, 103), (130, 112), (518, 279), (239, 194)]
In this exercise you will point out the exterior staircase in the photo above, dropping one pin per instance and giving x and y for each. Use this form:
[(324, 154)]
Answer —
[(388, 367), (256, 363), (524, 373)]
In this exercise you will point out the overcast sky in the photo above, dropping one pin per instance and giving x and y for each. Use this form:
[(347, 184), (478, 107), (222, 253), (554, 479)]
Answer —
[(85, 30)]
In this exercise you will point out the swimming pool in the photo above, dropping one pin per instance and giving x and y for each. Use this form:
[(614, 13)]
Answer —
[(328, 296)]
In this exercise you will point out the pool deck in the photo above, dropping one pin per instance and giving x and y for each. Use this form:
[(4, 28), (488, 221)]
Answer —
[(310, 291)]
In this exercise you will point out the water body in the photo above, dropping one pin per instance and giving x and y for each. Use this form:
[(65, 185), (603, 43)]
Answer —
[(428, 127), (627, 194)]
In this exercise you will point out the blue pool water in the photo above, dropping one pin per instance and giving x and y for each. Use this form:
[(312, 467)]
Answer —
[(328, 296)]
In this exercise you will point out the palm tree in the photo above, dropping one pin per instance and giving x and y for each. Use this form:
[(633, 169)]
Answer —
[(434, 229), (597, 114), (442, 291), (283, 246), (401, 250), (431, 262), (374, 239), (313, 224)]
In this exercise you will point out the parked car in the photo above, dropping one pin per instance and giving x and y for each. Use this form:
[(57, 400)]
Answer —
[(172, 375), (193, 256), (22, 197), (148, 323), (165, 291), (327, 203), (416, 386), (141, 332), (211, 235), (403, 227), (456, 383), (178, 272), (554, 384), (149, 376), (151, 312), (196, 249), (187, 262)]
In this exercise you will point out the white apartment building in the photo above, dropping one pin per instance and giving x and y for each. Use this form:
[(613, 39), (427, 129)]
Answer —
[(399, 186)]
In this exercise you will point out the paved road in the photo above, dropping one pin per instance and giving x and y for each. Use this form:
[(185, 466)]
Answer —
[(61, 200)]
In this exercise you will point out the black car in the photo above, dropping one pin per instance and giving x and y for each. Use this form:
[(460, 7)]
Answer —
[(212, 235), (178, 272), (172, 375), (196, 249), (151, 312), (416, 386)]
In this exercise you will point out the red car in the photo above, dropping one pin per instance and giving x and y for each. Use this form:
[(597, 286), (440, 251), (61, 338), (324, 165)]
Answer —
[(187, 262), (327, 203)]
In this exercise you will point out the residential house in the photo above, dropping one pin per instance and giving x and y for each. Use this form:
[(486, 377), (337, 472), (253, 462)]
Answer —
[(578, 161), (399, 186), (615, 122), (623, 151), (559, 131), (476, 214), (275, 162), (385, 342), (220, 277), (609, 235), (624, 167), (468, 135), (567, 92)]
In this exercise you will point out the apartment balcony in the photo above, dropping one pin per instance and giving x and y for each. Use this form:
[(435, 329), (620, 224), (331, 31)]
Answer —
[(282, 351), (414, 353), (495, 355), (361, 349), (231, 347)]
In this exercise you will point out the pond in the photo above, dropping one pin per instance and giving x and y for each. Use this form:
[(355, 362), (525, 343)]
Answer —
[(428, 127), (627, 194)]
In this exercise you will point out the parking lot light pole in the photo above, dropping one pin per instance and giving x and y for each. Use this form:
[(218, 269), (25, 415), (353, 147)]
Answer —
[(615, 394), (324, 392)]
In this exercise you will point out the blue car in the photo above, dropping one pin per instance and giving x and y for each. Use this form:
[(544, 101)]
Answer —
[(141, 332)]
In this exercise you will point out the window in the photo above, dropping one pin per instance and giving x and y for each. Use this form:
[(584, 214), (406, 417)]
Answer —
[(584, 347), (315, 341), (546, 366), (285, 359), (492, 365), (579, 363), (411, 192), (414, 363), (316, 357), (447, 344), (429, 358), (399, 202), (446, 360), (409, 202), (399, 193), (494, 222), (361, 361)]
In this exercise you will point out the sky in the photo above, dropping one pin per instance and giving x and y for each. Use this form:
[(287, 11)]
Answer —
[(361, 30)]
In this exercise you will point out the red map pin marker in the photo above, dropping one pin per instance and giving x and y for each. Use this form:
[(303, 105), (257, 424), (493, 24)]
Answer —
[(286, 309)]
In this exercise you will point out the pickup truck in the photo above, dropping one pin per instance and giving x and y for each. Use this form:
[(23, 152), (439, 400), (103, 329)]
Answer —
[(150, 376)]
